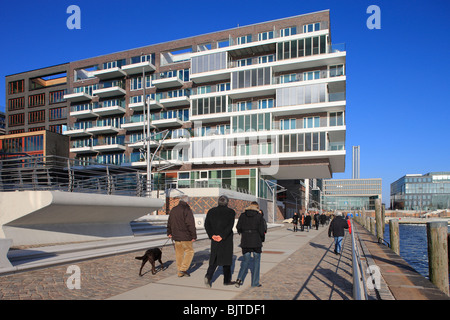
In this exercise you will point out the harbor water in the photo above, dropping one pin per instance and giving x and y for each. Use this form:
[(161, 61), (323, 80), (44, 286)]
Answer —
[(413, 245)]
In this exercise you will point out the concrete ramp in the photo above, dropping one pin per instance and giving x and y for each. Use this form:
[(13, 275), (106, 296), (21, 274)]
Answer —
[(44, 217)]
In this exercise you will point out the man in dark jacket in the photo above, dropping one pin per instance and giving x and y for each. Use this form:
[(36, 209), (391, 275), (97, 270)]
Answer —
[(251, 226), (219, 224), (181, 228), (337, 226)]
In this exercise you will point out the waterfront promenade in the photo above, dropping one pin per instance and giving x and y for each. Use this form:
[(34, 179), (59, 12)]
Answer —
[(294, 266), (298, 265)]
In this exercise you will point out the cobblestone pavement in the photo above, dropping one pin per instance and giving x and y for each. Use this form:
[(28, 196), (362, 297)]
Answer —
[(313, 272), (101, 278)]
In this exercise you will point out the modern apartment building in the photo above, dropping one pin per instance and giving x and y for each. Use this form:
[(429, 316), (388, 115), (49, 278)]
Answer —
[(350, 194), (237, 107), (428, 191)]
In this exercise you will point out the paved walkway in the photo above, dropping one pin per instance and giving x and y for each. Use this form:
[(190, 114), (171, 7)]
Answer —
[(298, 265)]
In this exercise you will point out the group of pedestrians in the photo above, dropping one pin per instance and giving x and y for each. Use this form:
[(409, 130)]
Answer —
[(251, 226), (305, 221), (219, 224)]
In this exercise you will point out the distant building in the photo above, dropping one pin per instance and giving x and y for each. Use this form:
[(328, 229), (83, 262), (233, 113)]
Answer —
[(350, 194), (428, 191), (2, 123), (38, 143), (35, 100), (355, 163)]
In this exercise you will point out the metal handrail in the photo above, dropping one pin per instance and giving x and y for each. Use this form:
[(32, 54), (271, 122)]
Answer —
[(359, 283)]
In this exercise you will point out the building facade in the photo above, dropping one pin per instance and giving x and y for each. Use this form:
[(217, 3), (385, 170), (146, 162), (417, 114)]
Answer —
[(234, 107), (37, 143), (35, 100), (430, 191), (350, 194)]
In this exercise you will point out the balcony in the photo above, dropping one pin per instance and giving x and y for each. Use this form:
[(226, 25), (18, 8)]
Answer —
[(77, 96), (83, 111), (110, 107), (137, 68), (81, 146), (139, 106), (79, 129), (108, 144), (104, 126), (176, 98), (171, 118), (170, 82), (135, 122), (110, 89), (110, 73)]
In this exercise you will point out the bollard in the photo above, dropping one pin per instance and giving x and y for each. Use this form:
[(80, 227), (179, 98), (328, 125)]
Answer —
[(394, 235), (438, 254), (373, 227), (378, 218)]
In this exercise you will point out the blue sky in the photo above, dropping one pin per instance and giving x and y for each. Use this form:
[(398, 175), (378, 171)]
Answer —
[(398, 86)]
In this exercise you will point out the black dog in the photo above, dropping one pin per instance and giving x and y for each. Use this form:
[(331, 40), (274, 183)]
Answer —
[(151, 255)]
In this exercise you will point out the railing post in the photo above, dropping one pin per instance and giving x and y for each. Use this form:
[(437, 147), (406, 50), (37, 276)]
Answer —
[(71, 182), (438, 254), (394, 235)]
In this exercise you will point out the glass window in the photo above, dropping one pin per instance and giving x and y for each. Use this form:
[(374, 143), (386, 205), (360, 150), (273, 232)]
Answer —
[(308, 47)]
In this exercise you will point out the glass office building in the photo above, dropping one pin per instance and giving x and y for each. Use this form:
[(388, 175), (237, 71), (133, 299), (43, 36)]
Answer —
[(430, 191), (350, 194)]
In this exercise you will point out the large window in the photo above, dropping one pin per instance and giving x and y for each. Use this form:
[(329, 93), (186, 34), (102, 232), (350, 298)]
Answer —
[(58, 113), (36, 116), (209, 62), (57, 96), (251, 122), (36, 100), (293, 96), (302, 142), (251, 78), (288, 32), (302, 47), (311, 122), (265, 35), (209, 105), (16, 119), (16, 104), (16, 87), (311, 27), (336, 119)]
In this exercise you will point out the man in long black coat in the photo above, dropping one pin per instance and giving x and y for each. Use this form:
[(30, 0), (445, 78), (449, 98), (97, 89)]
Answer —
[(219, 224)]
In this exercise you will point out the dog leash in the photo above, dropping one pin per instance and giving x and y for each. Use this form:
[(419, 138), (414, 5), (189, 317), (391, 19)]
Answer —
[(166, 243)]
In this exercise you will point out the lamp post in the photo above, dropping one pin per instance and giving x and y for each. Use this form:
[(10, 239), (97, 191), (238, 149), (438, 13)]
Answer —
[(146, 109)]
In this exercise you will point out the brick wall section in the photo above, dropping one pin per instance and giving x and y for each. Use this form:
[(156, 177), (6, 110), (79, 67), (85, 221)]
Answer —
[(201, 205)]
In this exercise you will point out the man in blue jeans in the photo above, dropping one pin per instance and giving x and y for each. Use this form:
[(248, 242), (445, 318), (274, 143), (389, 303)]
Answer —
[(337, 226), (252, 227)]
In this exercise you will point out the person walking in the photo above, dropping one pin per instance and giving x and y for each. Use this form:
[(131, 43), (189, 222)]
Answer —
[(337, 226), (295, 221), (302, 221), (219, 224), (251, 227), (181, 228), (308, 221), (316, 220)]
